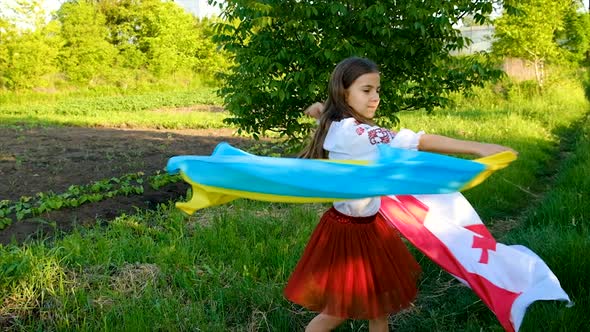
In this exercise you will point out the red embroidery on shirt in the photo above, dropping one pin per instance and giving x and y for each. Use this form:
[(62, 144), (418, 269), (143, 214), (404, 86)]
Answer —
[(379, 136), (360, 130)]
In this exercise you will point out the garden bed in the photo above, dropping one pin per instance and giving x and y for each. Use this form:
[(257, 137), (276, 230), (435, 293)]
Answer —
[(52, 159)]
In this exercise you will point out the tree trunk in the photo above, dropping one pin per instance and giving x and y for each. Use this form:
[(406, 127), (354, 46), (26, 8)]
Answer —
[(539, 72)]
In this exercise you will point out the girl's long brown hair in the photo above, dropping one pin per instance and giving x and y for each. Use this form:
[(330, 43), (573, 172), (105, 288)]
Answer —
[(335, 107)]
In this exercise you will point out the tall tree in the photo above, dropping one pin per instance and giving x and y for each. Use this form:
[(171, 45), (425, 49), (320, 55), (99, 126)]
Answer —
[(30, 58), (28, 46), (284, 51), (530, 32), (6, 34), (160, 36), (574, 39), (86, 55)]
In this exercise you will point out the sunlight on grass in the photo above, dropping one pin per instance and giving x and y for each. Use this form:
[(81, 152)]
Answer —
[(136, 111)]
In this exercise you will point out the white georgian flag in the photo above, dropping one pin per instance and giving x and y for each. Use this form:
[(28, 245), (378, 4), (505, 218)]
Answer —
[(447, 229)]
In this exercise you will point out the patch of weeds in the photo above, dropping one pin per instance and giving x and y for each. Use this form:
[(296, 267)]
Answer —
[(132, 279)]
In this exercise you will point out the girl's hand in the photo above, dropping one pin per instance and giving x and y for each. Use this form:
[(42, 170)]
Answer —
[(486, 149), (315, 110)]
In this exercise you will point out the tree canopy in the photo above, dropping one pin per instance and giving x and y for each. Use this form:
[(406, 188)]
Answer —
[(542, 31), (90, 42), (284, 51)]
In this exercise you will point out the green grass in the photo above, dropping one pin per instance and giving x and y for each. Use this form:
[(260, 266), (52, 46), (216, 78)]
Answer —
[(223, 269), (162, 110), (187, 274), (531, 125), (558, 230)]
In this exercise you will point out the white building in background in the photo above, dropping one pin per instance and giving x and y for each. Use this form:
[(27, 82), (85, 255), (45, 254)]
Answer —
[(481, 37), (199, 8)]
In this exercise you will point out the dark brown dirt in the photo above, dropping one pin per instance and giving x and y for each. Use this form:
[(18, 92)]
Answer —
[(44, 159)]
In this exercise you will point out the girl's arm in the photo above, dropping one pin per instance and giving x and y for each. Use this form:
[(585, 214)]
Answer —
[(443, 144), (436, 143)]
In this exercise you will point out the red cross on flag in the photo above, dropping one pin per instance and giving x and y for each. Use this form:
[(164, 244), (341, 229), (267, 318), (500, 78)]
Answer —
[(446, 228)]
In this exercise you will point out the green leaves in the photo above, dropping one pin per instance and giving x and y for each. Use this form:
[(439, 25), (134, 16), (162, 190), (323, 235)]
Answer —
[(535, 30), (28, 46), (86, 54), (285, 51), (76, 195), (93, 43)]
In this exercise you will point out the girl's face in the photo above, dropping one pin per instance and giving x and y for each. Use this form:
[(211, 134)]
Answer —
[(363, 94)]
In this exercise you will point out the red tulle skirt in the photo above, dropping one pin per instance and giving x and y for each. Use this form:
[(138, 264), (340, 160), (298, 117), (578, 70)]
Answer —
[(354, 268)]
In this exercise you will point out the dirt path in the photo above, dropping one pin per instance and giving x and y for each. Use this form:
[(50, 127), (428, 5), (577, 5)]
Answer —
[(45, 159)]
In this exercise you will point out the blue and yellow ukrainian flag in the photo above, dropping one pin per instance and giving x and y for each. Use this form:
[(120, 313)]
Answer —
[(231, 173)]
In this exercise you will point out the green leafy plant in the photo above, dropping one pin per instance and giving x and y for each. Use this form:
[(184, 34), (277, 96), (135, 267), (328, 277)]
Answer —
[(77, 195), (160, 180), (284, 52)]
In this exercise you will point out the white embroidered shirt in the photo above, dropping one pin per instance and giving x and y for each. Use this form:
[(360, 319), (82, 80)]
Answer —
[(350, 140)]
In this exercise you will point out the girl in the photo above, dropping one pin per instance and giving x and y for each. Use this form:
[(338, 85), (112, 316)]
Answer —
[(355, 264)]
